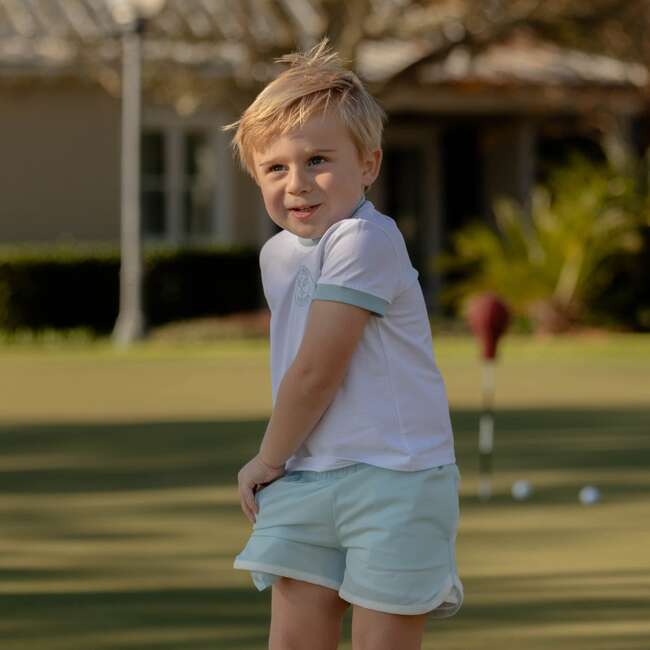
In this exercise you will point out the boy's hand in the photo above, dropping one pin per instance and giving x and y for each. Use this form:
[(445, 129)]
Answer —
[(255, 474)]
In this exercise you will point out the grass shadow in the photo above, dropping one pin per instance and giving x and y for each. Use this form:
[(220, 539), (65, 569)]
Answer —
[(42, 606)]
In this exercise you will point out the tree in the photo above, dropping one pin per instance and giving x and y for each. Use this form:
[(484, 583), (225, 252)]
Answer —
[(236, 43)]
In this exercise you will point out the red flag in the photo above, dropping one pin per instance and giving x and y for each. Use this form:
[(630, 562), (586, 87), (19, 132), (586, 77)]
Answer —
[(488, 317)]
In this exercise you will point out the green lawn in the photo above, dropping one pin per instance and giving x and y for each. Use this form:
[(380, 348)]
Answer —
[(120, 518)]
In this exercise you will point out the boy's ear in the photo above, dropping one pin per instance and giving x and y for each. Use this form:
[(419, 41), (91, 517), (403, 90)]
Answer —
[(371, 163)]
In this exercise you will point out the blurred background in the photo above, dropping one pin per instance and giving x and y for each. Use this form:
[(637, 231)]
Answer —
[(516, 162)]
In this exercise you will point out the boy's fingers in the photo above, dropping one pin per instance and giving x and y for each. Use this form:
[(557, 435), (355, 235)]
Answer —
[(248, 505), (247, 511), (252, 503)]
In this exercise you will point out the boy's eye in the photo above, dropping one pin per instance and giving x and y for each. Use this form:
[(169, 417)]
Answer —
[(316, 160), (276, 168)]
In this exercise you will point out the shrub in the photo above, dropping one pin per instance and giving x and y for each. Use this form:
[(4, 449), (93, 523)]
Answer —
[(554, 266), (65, 287)]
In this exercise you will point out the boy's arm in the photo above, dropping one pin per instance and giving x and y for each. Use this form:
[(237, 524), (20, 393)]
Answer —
[(308, 387)]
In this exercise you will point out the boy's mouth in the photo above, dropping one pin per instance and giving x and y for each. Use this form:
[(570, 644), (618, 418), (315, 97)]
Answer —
[(303, 213)]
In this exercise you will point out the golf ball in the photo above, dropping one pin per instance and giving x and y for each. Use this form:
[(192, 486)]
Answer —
[(521, 490), (589, 495)]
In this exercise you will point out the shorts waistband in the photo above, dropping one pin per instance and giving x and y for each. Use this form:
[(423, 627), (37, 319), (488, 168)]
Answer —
[(313, 475)]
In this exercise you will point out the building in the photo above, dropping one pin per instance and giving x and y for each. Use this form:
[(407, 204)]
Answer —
[(463, 130)]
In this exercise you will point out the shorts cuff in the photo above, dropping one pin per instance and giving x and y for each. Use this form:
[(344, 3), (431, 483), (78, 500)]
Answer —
[(443, 606), (280, 571)]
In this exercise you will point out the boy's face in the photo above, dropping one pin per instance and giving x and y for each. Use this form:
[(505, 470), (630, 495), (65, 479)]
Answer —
[(314, 176)]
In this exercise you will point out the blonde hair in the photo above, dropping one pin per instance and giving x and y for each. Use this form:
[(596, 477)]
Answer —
[(314, 83)]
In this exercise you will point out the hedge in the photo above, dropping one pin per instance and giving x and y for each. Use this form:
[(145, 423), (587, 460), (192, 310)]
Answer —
[(66, 287)]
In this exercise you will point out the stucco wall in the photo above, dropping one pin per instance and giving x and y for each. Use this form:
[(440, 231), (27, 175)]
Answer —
[(251, 224), (59, 164)]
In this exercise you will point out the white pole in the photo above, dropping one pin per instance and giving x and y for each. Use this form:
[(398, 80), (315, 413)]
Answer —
[(486, 432), (130, 325)]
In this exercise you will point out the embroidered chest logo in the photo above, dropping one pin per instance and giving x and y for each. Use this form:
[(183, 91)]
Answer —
[(304, 288)]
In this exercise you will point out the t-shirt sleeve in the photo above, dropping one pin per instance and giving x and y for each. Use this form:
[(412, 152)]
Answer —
[(360, 267)]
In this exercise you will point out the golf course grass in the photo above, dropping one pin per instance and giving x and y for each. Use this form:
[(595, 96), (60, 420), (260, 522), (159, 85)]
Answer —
[(120, 517)]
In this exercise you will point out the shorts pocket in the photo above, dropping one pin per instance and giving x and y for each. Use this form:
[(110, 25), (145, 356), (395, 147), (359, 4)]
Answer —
[(264, 490)]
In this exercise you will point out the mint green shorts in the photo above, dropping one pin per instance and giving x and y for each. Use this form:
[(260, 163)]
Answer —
[(383, 539)]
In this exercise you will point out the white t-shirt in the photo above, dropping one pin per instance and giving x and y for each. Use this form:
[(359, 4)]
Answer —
[(391, 409)]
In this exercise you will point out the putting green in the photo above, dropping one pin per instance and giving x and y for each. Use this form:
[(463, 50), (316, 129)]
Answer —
[(120, 517)]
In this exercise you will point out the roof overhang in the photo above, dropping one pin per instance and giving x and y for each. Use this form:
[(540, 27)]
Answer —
[(471, 99), (518, 75)]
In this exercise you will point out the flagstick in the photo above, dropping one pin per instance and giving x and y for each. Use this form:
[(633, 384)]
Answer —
[(486, 432), (488, 316)]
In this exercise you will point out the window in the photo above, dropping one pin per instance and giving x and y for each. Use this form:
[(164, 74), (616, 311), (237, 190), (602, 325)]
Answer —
[(198, 193), (178, 176), (153, 199)]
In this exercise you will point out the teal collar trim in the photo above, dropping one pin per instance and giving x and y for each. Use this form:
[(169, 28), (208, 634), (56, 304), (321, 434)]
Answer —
[(307, 241)]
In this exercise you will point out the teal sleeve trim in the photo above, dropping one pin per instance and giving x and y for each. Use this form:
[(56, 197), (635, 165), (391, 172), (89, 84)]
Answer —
[(351, 297)]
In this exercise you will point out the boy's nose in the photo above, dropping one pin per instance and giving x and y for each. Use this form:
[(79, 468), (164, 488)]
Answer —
[(298, 182)]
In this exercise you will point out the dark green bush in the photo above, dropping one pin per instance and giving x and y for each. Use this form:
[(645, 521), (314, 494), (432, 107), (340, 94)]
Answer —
[(625, 299), (66, 287)]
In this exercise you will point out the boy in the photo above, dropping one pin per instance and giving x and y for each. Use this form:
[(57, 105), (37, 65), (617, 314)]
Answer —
[(353, 494)]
